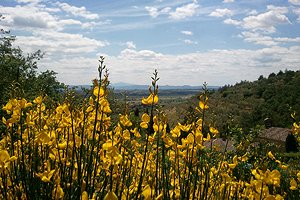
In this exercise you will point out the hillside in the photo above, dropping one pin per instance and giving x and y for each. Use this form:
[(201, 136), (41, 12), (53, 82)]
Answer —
[(249, 103)]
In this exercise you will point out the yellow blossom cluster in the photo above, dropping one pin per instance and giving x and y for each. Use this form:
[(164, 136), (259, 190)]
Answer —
[(77, 152)]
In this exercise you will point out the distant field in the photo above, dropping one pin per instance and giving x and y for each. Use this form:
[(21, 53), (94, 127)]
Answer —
[(165, 96)]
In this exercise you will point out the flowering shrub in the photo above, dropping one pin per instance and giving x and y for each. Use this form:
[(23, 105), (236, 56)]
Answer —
[(77, 152)]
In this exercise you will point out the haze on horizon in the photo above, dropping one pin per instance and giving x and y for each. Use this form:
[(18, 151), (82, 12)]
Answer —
[(190, 42)]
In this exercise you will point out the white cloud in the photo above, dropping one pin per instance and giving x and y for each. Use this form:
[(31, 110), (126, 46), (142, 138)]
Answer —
[(29, 1), (221, 13), (187, 32), (295, 2), (268, 20), (253, 12), (130, 45), (154, 12), (232, 22), (53, 42), (32, 17), (189, 42), (65, 22), (217, 67), (185, 11), (78, 11), (143, 54), (257, 38), (286, 39), (93, 24), (165, 10), (297, 12), (228, 1)]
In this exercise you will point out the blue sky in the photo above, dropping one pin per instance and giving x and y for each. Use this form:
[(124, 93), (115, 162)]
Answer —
[(188, 41)]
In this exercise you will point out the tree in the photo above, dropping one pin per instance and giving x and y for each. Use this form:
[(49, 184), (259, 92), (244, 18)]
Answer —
[(18, 73)]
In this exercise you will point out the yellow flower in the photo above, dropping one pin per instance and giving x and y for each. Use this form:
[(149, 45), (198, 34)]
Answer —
[(62, 146), (98, 91), (147, 192), (203, 105), (58, 192), (235, 162), (8, 107), (244, 157), (125, 120), (151, 99), (256, 174), (271, 155), (44, 138), (84, 196), (159, 197), (38, 100), (274, 178), (176, 132), (4, 159), (214, 131), (126, 134), (145, 120), (184, 128), (293, 184), (4, 156), (110, 196), (46, 176)]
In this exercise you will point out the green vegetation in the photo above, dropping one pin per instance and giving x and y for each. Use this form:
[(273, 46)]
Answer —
[(19, 73), (78, 151), (95, 147), (267, 101)]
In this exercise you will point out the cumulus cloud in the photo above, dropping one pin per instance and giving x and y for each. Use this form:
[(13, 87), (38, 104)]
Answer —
[(232, 22), (130, 45), (143, 54), (295, 2), (29, 1), (216, 67), (266, 40), (187, 32), (53, 42), (155, 12), (221, 12), (33, 17), (78, 11), (297, 12), (268, 20), (185, 11), (253, 12), (286, 39), (29, 17), (257, 38)]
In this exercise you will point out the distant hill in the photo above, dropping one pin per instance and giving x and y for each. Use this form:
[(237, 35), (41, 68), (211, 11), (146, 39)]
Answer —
[(127, 86), (250, 103)]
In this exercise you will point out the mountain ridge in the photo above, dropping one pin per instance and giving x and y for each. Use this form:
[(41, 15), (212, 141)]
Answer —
[(128, 86)]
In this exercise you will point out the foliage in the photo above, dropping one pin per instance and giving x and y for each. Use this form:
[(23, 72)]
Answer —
[(19, 75), (76, 151), (250, 103)]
